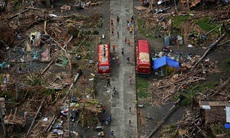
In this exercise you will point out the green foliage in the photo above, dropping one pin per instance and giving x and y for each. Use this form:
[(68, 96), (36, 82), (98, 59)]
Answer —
[(142, 85), (100, 24), (73, 31), (96, 32), (191, 92), (225, 64), (47, 91), (17, 5), (143, 30), (206, 24), (187, 100), (8, 94), (37, 82), (178, 20), (204, 86), (141, 25), (171, 131)]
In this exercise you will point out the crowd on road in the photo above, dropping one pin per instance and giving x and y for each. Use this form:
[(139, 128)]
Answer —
[(114, 56)]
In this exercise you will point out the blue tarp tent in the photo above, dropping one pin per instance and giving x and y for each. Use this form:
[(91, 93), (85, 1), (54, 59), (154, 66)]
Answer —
[(160, 62)]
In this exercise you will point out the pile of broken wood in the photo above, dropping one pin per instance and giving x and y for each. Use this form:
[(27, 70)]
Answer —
[(165, 88), (220, 92)]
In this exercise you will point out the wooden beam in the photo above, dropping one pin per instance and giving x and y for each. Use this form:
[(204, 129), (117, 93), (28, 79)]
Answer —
[(210, 47), (28, 132), (15, 112)]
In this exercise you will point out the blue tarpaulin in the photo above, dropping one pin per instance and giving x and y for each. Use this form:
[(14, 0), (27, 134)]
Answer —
[(160, 62)]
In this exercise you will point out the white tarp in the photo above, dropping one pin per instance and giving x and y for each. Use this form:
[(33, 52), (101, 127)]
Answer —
[(227, 108)]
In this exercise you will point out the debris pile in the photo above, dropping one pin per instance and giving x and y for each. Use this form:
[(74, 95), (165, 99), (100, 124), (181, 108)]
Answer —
[(165, 88), (45, 51)]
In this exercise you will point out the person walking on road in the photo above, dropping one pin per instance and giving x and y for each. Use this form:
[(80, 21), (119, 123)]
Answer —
[(117, 34), (111, 134), (118, 19), (122, 50), (108, 81), (112, 30), (127, 59), (131, 29), (128, 42), (130, 82), (114, 47), (111, 21), (118, 61)]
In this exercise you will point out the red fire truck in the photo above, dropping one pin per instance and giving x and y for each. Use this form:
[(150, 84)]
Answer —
[(104, 59), (143, 66)]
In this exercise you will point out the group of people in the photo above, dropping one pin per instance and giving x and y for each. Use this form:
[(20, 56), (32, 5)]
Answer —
[(115, 57)]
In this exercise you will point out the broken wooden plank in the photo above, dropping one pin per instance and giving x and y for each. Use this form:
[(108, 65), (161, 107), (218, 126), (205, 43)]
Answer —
[(170, 112), (19, 13), (210, 47), (28, 132), (15, 112)]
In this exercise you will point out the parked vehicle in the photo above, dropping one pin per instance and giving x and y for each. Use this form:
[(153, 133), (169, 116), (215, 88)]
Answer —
[(143, 66), (104, 59)]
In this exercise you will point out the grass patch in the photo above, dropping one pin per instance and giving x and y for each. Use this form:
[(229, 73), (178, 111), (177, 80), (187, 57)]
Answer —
[(225, 64), (17, 5), (202, 87), (141, 24), (142, 85), (178, 20), (206, 24), (143, 30), (191, 92)]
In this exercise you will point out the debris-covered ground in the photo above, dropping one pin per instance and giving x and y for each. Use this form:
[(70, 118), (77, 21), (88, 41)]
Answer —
[(48, 59), (200, 30)]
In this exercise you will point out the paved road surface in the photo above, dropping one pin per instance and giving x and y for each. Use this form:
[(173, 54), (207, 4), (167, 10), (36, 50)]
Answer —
[(124, 122)]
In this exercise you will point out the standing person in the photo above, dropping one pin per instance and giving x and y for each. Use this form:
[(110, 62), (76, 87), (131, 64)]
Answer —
[(103, 109), (111, 11), (118, 19), (132, 18), (112, 30), (128, 24), (114, 47), (128, 42), (117, 34), (111, 134), (108, 81), (111, 21), (118, 61), (131, 29), (127, 59), (122, 50), (130, 81), (125, 40)]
